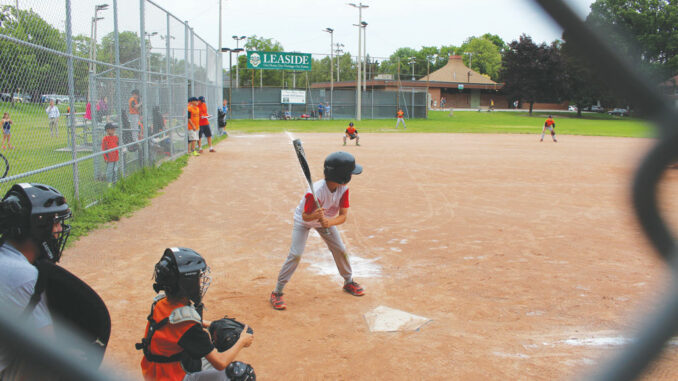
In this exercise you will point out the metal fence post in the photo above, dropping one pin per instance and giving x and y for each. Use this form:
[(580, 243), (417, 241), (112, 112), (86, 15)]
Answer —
[(118, 91), (94, 94), (169, 81), (145, 159), (71, 101), (192, 64), (186, 76)]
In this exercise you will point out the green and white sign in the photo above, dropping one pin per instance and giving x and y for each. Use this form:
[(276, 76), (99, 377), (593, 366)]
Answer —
[(278, 61)]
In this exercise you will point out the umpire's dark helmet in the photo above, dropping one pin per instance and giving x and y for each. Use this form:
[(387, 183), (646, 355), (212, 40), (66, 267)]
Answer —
[(339, 166), (29, 211), (182, 272)]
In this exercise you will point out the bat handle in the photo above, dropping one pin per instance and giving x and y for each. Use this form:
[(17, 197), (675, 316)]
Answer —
[(325, 231)]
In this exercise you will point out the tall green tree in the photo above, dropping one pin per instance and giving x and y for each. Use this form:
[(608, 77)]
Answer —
[(484, 57), (645, 31), (533, 72)]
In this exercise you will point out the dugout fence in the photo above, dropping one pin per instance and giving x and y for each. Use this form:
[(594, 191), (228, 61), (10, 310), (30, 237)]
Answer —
[(658, 328), (88, 60)]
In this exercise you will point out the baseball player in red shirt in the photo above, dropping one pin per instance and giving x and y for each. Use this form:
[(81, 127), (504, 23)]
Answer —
[(351, 133), (550, 125)]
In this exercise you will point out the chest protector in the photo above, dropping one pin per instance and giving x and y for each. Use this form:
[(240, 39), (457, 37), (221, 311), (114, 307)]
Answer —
[(166, 325)]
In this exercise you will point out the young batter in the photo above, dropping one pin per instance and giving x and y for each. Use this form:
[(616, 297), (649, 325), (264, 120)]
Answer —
[(332, 195), (550, 125)]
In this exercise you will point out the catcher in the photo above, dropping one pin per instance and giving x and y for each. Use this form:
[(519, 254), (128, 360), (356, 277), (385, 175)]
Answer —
[(176, 344)]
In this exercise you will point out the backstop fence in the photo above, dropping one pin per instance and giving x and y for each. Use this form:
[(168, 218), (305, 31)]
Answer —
[(66, 72)]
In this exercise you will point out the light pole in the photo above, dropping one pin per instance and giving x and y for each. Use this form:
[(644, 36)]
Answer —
[(237, 46), (339, 51), (150, 47), (93, 43), (412, 61), (331, 32), (364, 27), (360, 7), (470, 59), (230, 73)]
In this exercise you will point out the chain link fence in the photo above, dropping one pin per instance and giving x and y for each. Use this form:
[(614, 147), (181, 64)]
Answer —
[(68, 71)]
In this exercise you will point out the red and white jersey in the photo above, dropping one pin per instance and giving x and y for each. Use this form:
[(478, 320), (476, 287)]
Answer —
[(330, 201)]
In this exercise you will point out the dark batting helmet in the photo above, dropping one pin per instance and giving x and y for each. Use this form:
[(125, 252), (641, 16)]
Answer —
[(350, 124), (339, 166), (201, 98), (30, 211), (182, 272)]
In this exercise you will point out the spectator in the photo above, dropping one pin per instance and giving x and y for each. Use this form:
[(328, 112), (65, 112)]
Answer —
[(88, 112), (181, 349), (443, 102), (193, 125), (53, 114), (6, 126), (321, 109), (102, 110), (491, 104), (327, 110), (222, 115), (134, 110), (110, 141), (204, 125)]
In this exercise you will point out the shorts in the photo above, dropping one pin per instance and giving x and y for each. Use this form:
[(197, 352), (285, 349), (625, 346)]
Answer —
[(352, 136), (193, 135), (550, 128), (205, 130), (5, 131)]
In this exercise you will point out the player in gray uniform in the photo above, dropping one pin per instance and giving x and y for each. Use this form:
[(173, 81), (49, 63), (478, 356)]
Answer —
[(332, 196)]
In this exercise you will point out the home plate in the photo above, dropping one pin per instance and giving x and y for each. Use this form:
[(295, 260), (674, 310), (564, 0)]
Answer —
[(385, 319)]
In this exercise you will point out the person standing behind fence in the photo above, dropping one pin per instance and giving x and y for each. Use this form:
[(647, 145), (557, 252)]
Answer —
[(53, 114), (6, 126), (110, 141), (193, 123), (102, 110), (134, 110), (204, 125), (222, 114), (400, 118), (321, 110)]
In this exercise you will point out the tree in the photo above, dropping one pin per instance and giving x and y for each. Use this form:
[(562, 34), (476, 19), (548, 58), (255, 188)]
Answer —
[(130, 51), (645, 31), (533, 72), (268, 77), (485, 59)]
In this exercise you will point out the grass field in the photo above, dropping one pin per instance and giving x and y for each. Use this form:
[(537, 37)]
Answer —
[(466, 122)]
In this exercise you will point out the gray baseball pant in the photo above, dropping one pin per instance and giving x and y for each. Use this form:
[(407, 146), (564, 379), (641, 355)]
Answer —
[(299, 237)]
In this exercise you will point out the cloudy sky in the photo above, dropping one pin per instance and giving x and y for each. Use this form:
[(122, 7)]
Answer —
[(298, 24)]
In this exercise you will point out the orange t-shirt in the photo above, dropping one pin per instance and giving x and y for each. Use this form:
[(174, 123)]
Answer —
[(132, 106), (194, 116), (351, 130), (203, 114), (549, 122), (400, 113)]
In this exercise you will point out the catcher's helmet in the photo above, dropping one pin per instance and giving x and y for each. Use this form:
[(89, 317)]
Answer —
[(182, 272), (339, 166), (30, 211)]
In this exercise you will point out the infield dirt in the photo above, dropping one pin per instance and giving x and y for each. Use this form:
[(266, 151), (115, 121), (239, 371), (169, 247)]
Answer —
[(526, 256)]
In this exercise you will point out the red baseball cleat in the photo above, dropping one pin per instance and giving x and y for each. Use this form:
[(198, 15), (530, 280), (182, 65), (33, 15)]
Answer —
[(354, 289), (277, 301)]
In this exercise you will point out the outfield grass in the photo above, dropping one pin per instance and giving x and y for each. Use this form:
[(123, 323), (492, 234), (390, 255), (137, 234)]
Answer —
[(497, 122)]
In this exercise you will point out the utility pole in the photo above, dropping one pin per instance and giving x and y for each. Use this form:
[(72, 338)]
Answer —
[(237, 45), (364, 27), (412, 61), (360, 7), (331, 32)]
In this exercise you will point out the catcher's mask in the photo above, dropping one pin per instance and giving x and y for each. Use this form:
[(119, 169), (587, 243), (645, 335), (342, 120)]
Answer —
[(30, 211), (182, 272), (339, 166)]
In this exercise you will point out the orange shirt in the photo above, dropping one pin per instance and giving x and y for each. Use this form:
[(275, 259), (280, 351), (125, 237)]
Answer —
[(132, 105), (194, 116), (400, 113), (203, 114), (109, 142), (549, 122), (351, 130), (165, 342)]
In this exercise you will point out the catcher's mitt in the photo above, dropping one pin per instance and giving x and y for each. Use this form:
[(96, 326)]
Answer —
[(225, 333)]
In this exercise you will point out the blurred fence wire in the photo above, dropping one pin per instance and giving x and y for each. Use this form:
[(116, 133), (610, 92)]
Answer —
[(68, 68)]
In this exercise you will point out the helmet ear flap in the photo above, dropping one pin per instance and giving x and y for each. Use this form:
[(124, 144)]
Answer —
[(14, 215)]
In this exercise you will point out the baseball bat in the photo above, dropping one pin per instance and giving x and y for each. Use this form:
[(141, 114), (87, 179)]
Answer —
[(301, 155)]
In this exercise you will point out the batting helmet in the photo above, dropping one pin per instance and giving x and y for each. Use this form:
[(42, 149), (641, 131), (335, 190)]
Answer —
[(339, 166), (30, 211), (201, 98), (350, 124), (182, 272)]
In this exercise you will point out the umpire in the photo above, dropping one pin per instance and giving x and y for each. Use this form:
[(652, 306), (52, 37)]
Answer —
[(33, 233)]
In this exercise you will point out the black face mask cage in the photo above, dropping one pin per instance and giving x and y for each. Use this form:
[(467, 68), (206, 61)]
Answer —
[(53, 244)]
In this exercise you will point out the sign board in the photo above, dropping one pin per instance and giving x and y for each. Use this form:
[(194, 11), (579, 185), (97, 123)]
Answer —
[(460, 86), (278, 61), (293, 96)]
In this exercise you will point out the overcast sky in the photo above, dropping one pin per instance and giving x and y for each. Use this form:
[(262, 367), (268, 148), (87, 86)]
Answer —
[(298, 24)]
